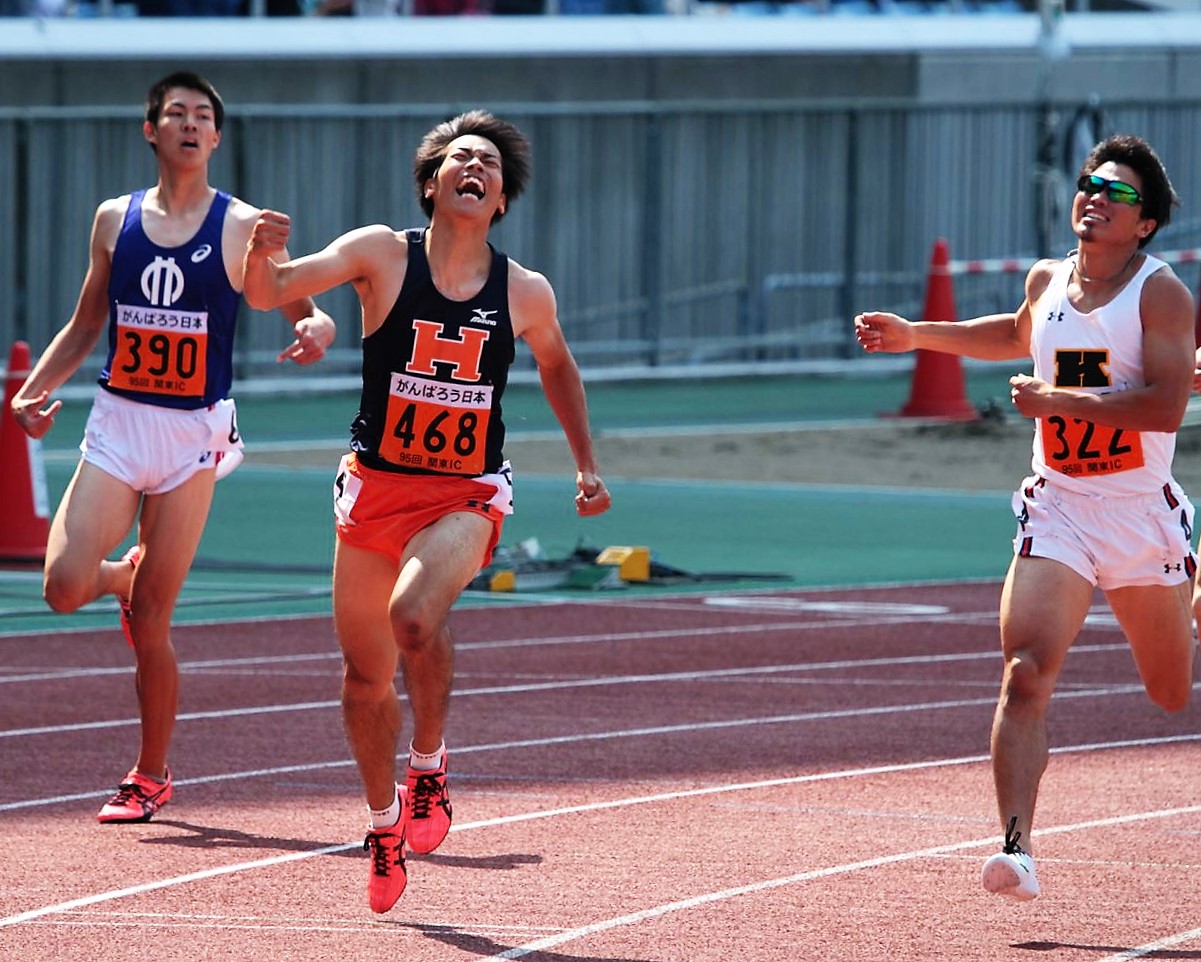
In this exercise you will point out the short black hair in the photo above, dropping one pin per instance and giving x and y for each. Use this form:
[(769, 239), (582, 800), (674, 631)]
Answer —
[(1134, 152), (512, 143), (189, 81)]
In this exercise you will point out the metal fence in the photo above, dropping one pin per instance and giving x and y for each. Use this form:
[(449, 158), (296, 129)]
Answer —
[(678, 236)]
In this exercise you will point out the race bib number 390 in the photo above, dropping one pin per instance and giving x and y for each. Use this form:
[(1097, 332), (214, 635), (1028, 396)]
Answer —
[(436, 426), (1082, 449), (160, 351)]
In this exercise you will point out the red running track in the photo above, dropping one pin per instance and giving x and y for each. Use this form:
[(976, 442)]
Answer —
[(755, 776)]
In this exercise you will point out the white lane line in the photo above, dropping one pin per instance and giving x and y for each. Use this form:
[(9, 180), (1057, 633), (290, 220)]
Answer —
[(13, 676), (109, 896), (525, 642), (511, 745), (653, 912), (569, 684), (1152, 947), (656, 911)]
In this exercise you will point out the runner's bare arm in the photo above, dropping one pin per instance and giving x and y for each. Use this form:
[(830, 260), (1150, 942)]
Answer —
[(76, 339), (314, 328), (535, 318), (269, 279), (993, 337)]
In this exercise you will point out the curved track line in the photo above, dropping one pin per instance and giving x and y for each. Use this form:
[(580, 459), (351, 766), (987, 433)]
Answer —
[(100, 897), (628, 733), (1152, 947), (595, 682), (656, 911)]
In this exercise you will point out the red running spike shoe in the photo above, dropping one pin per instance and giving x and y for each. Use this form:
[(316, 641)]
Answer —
[(429, 801), (387, 848)]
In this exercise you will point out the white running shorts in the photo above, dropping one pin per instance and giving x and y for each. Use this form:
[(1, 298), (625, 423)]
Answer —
[(155, 449), (1143, 539)]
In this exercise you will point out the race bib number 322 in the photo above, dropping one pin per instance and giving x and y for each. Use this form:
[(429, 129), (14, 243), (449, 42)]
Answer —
[(434, 426), (1082, 449), (160, 351)]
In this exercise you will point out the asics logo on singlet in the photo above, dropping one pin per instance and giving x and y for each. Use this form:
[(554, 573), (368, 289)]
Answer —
[(201, 252), (162, 282), (483, 317)]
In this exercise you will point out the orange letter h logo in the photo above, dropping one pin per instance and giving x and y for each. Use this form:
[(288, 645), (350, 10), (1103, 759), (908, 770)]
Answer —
[(430, 347)]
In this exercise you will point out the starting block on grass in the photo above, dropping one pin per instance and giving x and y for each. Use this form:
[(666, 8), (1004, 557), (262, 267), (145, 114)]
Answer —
[(632, 563), (523, 569), (502, 580)]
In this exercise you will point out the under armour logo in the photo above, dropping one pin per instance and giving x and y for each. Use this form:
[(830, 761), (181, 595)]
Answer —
[(1056, 316), (201, 252), (1169, 568), (162, 282)]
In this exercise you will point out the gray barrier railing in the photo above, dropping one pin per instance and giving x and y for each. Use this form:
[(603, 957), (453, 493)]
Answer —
[(676, 235)]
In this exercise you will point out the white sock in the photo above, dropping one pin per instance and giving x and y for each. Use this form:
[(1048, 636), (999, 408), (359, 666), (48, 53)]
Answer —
[(426, 763), (386, 817)]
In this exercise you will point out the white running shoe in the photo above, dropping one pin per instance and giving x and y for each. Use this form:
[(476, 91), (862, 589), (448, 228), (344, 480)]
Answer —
[(1011, 871)]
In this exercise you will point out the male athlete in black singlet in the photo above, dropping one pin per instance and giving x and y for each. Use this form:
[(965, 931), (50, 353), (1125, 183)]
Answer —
[(421, 498)]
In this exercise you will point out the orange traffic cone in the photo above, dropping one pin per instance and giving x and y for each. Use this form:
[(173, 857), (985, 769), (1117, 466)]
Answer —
[(938, 389), (24, 501)]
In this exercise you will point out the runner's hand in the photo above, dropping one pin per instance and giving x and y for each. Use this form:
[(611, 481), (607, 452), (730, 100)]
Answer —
[(1033, 398), (592, 496), (879, 331), (34, 419), (314, 335), (270, 233)]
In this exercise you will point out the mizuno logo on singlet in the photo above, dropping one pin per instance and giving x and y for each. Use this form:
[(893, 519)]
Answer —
[(162, 282), (483, 317)]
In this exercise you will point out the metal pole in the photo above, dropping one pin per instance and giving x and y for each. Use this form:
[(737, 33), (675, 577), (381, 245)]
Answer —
[(846, 299), (1053, 47), (652, 211)]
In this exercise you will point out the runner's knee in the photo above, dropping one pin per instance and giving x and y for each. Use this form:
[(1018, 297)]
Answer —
[(412, 625), (1172, 696), (64, 592), (1027, 683), (360, 687)]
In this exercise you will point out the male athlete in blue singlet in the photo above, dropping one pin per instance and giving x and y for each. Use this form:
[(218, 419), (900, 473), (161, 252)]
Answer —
[(420, 500), (1109, 328), (164, 273)]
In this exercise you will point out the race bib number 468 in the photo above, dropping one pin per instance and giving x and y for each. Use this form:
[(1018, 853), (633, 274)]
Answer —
[(160, 351), (436, 426), (1082, 449)]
